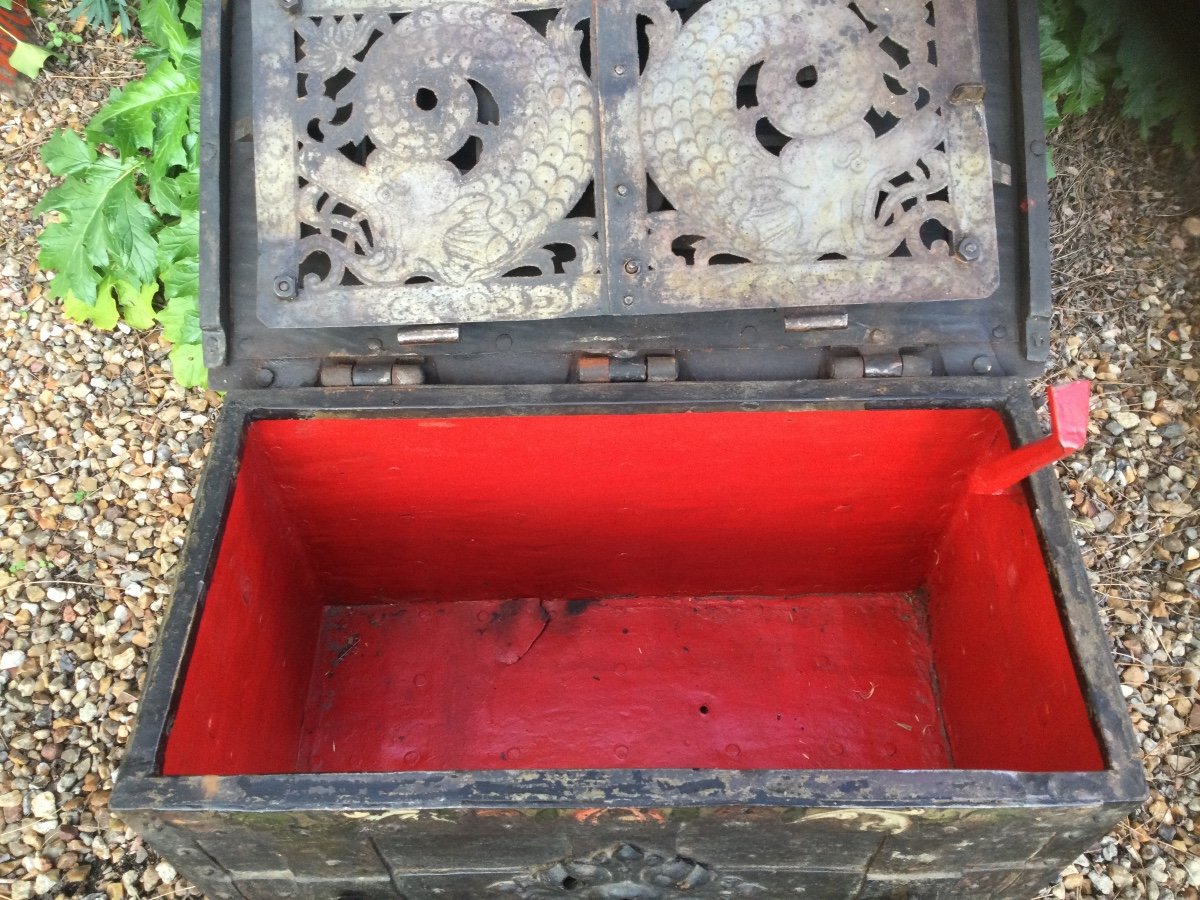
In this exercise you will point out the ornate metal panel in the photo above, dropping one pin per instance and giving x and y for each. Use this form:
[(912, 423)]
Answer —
[(423, 162), (476, 160)]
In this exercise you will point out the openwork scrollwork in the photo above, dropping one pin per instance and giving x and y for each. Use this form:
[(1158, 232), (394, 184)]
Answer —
[(790, 131), (627, 872), (446, 145)]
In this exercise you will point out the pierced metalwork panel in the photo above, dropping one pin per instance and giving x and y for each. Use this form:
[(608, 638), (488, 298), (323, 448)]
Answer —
[(478, 160), (426, 164)]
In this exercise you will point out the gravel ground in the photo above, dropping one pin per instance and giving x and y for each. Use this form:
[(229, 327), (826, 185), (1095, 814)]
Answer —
[(100, 452)]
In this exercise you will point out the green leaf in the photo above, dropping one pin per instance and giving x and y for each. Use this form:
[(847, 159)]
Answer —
[(28, 59), (133, 250), (180, 320), (66, 153), (136, 303), (187, 364), (128, 119), (103, 313), (192, 13), (162, 26), (92, 205), (179, 241)]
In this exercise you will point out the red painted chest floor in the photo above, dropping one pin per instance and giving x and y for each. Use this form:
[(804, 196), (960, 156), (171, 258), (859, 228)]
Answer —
[(720, 590)]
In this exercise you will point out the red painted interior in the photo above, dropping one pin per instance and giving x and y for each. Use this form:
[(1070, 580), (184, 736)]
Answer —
[(736, 590)]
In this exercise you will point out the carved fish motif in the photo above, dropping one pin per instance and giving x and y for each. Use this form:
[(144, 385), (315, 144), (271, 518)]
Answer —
[(835, 187), (414, 96)]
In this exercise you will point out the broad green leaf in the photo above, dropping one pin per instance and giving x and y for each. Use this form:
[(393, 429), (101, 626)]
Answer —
[(187, 364), (66, 153), (28, 59), (81, 239), (162, 26), (133, 250), (181, 280), (179, 241), (180, 320), (127, 120), (192, 12), (136, 303), (102, 313)]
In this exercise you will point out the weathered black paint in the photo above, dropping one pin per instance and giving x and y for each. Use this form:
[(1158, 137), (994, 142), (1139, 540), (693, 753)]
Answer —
[(856, 834)]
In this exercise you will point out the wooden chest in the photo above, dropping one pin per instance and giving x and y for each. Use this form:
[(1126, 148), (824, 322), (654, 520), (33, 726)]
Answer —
[(628, 486)]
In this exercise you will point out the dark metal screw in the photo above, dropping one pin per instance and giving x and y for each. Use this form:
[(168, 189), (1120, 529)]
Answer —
[(970, 249), (285, 287), (631, 267)]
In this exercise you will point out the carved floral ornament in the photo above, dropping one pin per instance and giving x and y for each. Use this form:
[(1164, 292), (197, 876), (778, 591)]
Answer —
[(627, 872), (477, 151)]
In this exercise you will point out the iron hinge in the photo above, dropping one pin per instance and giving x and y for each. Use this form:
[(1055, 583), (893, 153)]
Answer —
[(605, 369), (881, 365), (371, 372)]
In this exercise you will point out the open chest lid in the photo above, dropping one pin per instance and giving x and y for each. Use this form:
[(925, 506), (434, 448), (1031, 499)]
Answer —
[(506, 191)]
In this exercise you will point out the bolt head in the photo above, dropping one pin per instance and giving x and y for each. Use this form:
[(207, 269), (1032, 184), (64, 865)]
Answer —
[(627, 300), (618, 69), (622, 190), (981, 365), (631, 267), (285, 287), (970, 249)]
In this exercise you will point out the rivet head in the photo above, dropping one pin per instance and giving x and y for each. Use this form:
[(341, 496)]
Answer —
[(285, 287), (374, 345), (627, 300), (622, 189), (999, 332), (970, 249), (264, 376), (631, 267), (618, 69), (981, 365)]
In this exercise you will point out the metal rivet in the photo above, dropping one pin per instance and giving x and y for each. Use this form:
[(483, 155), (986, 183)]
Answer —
[(621, 751), (876, 336), (631, 267), (619, 69), (981, 365), (627, 300), (999, 332), (264, 376), (285, 287), (503, 342), (622, 190), (374, 345), (970, 249), (289, 4)]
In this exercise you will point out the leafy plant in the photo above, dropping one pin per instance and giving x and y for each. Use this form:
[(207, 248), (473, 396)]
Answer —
[(1088, 46), (100, 13), (58, 38), (125, 240)]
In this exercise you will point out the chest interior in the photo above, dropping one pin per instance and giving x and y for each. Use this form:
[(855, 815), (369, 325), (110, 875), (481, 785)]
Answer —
[(739, 590)]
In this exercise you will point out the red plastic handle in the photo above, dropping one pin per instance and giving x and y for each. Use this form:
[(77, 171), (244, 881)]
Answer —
[(1068, 432)]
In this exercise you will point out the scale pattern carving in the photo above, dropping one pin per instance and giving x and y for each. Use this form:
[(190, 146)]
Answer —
[(446, 145), (627, 872), (784, 131)]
